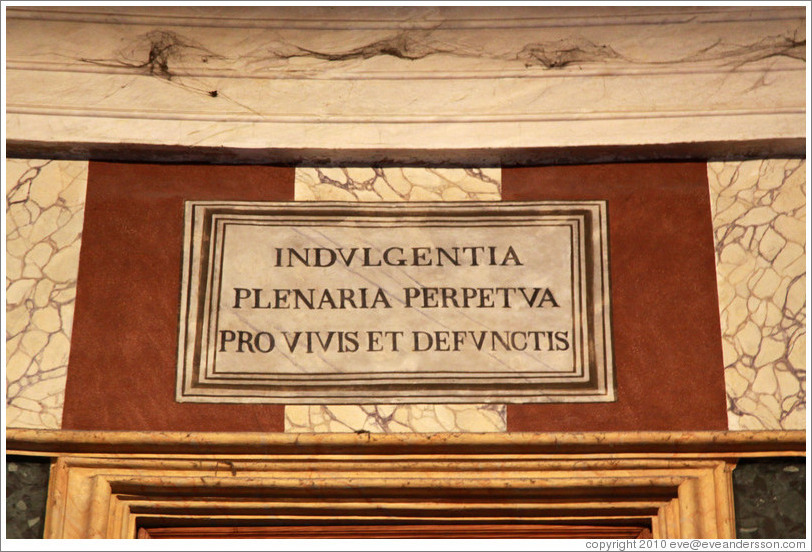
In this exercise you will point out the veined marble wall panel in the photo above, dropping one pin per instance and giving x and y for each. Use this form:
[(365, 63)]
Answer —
[(760, 227), (396, 184), (412, 418), (405, 79), (44, 213)]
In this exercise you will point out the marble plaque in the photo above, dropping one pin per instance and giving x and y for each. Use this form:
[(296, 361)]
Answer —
[(333, 303)]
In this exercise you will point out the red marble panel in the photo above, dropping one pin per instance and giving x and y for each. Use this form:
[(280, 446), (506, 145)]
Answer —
[(665, 314), (121, 373)]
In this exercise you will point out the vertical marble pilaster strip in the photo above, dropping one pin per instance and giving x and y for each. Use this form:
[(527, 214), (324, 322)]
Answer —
[(397, 184), (44, 214), (759, 222)]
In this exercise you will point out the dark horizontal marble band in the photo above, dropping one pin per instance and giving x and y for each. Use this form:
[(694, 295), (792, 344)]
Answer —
[(715, 444), (479, 157)]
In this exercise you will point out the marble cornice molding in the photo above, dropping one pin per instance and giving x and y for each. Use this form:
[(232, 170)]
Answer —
[(437, 85), (696, 444), (401, 17)]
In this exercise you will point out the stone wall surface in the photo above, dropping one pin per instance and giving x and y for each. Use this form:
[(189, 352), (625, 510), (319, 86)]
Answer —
[(26, 494), (411, 418), (758, 210), (759, 221), (44, 214), (769, 498), (397, 184)]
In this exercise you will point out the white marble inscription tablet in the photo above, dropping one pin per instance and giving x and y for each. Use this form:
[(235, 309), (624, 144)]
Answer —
[(388, 303)]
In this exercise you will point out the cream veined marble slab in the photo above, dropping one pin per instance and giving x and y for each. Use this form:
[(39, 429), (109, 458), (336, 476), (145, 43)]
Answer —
[(759, 219), (394, 418), (404, 80), (44, 214), (397, 184)]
